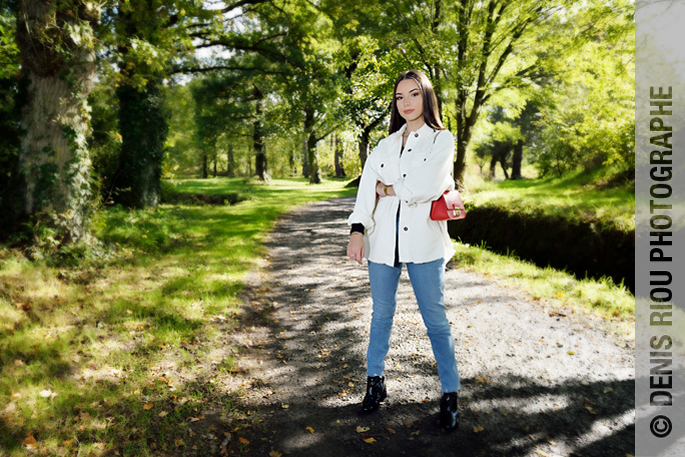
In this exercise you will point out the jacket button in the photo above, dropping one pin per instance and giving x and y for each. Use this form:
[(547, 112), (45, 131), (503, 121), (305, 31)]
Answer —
[(416, 135), (381, 165), (406, 228), (424, 159), (408, 150), (404, 175)]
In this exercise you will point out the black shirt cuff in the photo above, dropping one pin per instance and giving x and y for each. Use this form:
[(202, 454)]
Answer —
[(357, 227)]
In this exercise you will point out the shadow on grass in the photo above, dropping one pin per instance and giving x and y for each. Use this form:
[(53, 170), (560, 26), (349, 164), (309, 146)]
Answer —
[(133, 351)]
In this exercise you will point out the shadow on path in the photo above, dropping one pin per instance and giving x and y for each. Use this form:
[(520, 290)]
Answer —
[(533, 383)]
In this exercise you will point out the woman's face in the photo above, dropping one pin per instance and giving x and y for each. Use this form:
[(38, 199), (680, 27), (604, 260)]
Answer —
[(409, 100)]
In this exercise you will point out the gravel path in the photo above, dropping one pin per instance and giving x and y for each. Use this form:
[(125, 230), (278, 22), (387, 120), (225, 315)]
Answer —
[(535, 381)]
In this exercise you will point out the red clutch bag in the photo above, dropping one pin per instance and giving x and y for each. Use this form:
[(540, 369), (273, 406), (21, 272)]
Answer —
[(448, 207)]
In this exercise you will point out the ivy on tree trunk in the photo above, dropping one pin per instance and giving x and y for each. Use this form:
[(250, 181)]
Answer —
[(58, 68)]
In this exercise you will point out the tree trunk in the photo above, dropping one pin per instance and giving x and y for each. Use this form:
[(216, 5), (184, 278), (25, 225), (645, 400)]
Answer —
[(205, 172), (53, 157), (144, 129), (230, 161), (313, 159), (464, 130), (363, 141), (258, 138), (305, 157), (291, 162), (503, 162), (517, 160), (214, 160), (339, 158)]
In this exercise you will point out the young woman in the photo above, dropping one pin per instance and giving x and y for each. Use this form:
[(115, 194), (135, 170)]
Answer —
[(391, 226)]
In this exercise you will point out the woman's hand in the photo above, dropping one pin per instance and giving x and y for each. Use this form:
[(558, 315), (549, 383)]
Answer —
[(384, 191), (355, 247)]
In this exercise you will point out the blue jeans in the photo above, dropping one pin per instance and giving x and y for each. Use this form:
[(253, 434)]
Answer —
[(428, 282)]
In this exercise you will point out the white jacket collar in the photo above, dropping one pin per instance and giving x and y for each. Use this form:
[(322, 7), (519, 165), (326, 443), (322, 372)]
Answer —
[(424, 130)]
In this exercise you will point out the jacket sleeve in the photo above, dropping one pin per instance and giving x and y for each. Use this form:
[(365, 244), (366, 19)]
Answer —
[(427, 181), (366, 198)]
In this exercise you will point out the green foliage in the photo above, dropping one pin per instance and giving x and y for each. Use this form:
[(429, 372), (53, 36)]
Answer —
[(104, 141), (9, 52), (587, 113)]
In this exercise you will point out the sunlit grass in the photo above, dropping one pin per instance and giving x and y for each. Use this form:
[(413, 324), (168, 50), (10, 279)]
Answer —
[(601, 297), (110, 356), (575, 197)]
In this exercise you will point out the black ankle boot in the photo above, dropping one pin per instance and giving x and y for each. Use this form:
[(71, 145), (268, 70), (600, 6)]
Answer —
[(375, 393), (449, 411)]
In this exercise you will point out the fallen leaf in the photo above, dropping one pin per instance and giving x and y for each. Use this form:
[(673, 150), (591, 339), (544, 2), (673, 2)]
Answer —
[(68, 442), (590, 410), (179, 443), (275, 454), (477, 429), (310, 429), (608, 389), (30, 440), (416, 433), (162, 379), (361, 429), (47, 393), (163, 413), (407, 424), (370, 440), (571, 353), (285, 406), (541, 454), (243, 441), (148, 406), (391, 431), (18, 363)]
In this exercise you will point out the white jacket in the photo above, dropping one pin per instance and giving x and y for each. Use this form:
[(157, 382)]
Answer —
[(420, 176)]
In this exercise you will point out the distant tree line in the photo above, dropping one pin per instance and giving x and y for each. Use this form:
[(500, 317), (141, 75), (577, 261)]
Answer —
[(99, 102)]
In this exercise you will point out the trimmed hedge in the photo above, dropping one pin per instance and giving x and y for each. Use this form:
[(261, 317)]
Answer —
[(584, 249)]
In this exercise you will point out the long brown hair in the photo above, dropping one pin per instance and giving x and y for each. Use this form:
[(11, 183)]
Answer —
[(431, 115)]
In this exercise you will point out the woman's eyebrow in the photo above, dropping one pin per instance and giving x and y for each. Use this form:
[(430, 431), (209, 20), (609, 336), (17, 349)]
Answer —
[(413, 90)]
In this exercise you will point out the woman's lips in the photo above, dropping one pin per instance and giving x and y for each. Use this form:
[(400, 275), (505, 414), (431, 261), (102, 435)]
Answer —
[(408, 111)]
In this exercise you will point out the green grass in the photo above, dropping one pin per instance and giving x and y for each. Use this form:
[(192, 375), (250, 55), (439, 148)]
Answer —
[(577, 197), (119, 355), (116, 356)]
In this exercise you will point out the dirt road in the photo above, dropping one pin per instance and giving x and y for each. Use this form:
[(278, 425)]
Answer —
[(535, 381)]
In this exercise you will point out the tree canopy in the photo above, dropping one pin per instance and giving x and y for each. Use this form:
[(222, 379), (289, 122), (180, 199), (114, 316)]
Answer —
[(192, 88)]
